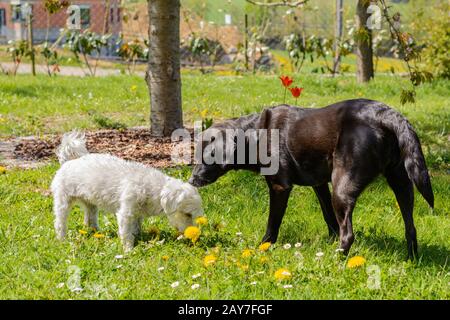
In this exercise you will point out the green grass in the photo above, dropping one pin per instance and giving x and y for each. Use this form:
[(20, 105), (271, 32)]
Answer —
[(34, 265)]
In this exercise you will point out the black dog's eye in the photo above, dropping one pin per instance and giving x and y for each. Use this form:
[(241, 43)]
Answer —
[(213, 153)]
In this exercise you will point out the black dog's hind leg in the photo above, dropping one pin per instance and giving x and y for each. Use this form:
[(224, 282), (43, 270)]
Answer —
[(404, 192), (278, 202), (324, 196)]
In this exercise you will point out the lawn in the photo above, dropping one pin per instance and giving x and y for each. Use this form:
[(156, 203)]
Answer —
[(35, 265)]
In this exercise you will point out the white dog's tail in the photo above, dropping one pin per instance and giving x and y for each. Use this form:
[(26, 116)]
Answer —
[(73, 146)]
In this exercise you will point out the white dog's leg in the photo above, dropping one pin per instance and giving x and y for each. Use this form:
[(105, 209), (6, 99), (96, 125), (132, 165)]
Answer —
[(61, 207), (127, 224), (137, 228), (90, 215)]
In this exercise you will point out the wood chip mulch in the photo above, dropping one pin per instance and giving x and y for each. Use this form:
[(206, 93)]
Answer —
[(130, 144)]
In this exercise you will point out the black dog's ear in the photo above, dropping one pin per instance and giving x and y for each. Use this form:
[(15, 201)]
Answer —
[(265, 119)]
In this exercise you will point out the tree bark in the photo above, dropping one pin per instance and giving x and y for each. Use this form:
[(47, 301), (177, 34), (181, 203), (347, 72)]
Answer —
[(364, 53), (163, 75)]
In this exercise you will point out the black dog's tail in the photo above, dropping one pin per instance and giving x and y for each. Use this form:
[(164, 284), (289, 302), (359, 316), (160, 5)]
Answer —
[(410, 148)]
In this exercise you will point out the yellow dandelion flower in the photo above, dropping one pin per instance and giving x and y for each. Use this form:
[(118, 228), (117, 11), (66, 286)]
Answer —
[(83, 232), (263, 260), (282, 274), (133, 88), (192, 233), (264, 246), (204, 113), (244, 267), (209, 260), (98, 235), (355, 262), (165, 258), (247, 253), (201, 221)]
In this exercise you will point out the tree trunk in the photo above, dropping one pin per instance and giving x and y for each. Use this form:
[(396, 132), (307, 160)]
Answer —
[(364, 53), (163, 75)]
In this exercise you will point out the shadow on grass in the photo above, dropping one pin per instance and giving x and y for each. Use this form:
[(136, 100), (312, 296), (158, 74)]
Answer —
[(29, 92), (429, 254)]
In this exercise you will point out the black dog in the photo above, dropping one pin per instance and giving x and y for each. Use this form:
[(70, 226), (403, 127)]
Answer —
[(348, 143)]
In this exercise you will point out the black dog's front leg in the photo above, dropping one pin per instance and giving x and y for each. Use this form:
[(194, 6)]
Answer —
[(278, 202)]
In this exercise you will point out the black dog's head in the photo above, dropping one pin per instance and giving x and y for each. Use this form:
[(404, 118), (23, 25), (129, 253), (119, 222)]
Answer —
[(217, 149), (210, 157)]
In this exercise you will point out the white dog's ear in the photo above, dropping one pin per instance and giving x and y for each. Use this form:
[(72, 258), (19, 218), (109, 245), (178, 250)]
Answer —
[(171, 197)]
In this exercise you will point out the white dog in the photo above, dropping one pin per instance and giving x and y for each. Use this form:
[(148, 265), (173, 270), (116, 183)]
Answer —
[(130, 189)]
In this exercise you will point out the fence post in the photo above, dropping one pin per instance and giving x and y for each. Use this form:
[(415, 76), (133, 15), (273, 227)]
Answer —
[(338, 36), (30, 42), (246, 42)]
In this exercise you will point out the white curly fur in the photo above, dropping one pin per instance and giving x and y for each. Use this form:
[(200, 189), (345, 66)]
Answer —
[(130, 189)]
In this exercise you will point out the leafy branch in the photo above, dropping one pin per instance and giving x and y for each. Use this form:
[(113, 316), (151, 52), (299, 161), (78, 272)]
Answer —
[(409, 52)]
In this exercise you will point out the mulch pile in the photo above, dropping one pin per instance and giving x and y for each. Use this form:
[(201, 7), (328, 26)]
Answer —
[(130, 144)]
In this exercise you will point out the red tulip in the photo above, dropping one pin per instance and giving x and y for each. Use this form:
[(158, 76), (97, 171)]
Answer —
[(296, 91), (286, 81)]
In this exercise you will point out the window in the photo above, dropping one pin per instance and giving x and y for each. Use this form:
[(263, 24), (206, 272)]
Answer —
[(16, 12), (111, 15), (2, 17), (85, 16)]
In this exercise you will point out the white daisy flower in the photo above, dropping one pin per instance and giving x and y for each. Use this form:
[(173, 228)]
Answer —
[(253, 283), (287, 246), (195, 276), (319, 254), (239, 234), (287, 286), (195, 286), (298, 254), (180, 237), (175, 284), (298, 244), (339, 250), (60, 285), (119, 256), (161, 269)]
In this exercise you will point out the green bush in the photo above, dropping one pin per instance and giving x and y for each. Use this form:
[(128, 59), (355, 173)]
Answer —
[(437, 43)]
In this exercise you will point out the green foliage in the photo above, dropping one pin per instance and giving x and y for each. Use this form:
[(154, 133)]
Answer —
[(437, 42), (132, 51), (17, 51), (50, 56), (311, 48), (54, 6), (106, 123), (86, 43)]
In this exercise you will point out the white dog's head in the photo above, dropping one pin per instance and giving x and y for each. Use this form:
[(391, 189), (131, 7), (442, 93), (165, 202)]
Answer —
[(182, 203)]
